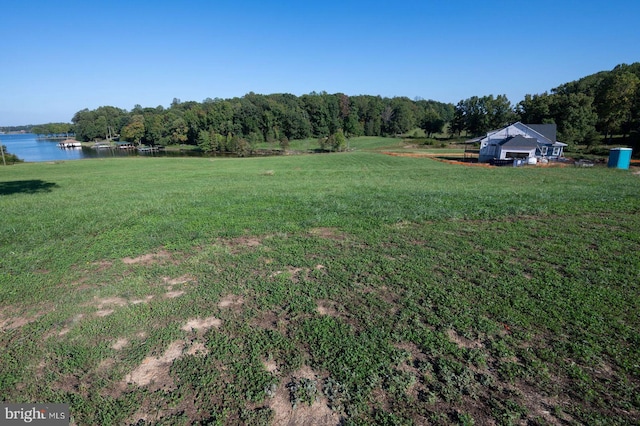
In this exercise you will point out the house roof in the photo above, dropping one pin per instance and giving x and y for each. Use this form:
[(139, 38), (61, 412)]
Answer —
[(519, 141), (549, 131)]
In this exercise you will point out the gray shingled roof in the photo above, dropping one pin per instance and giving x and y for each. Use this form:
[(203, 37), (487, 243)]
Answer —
[(520, 142), (547, 130)]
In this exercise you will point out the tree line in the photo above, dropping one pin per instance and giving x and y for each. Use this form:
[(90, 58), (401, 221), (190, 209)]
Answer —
[(601, 104), (231, 125), (604, 103)]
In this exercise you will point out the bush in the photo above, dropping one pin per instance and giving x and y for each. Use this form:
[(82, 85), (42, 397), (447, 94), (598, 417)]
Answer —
[(8, 158)]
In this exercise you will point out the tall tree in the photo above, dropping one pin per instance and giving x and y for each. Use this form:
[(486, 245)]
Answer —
[(616, 100), (500, 111), (431, 122), (134, 131), (403, 118), (458, 121), (535, 109), (576, 118)]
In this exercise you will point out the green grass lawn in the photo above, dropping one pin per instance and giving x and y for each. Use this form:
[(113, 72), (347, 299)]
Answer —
[(355, 287)]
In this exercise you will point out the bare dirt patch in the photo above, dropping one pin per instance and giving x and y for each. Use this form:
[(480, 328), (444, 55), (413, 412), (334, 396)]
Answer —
[(68, 383), (201, 324), (449, 158), (236, 245), (15, 322), (67, 328), (541, 406), (179, 280), (109, 301), (328, 233), (139, 301), (102, 265), (155, 370), (170, 282), (11, 319), (327, 307), (318, 413), (271, 320), (463, 342), (230, 301), (148, 259), (119, 344), (197, 348), (297, 274), (270, 366), (106, 305), (389, 296), (294, 273), (173, 294)]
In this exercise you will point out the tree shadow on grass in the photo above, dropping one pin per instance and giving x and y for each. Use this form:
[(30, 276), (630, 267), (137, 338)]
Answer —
[(26, 187)]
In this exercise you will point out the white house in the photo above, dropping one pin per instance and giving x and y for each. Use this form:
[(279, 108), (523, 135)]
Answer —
[(521, 141)]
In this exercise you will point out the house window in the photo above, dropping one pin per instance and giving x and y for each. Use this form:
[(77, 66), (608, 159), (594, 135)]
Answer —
[(556, 151), (543, 150)]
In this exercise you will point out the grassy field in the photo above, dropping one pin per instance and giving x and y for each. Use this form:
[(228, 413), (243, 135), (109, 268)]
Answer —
[(353, 287)]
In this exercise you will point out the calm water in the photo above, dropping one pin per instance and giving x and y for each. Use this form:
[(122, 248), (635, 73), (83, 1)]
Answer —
[(28, 148)]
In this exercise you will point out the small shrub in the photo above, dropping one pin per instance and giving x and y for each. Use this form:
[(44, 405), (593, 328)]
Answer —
[(465, 419), (336, 393), (302, 390)]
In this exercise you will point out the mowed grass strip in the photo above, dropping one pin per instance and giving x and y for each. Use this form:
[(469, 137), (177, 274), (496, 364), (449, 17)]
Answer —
[(385, 289)]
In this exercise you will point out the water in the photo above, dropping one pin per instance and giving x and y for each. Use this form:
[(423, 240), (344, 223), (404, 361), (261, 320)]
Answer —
[(29, 148)]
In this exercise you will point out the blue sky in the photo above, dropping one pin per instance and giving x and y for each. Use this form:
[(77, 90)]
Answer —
[(58, 57)]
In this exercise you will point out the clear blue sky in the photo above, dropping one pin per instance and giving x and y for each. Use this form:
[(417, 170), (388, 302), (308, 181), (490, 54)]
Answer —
[(58, 57)]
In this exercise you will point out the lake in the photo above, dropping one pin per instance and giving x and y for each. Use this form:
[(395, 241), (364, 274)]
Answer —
[(29, 148)]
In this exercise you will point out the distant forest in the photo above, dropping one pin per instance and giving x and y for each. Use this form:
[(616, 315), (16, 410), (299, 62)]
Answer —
[(599, 105)]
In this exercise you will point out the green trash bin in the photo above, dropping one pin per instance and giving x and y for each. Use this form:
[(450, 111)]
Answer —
[(620, 158)]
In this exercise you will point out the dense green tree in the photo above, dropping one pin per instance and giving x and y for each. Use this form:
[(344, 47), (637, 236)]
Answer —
[(351, 124), (338, 142), (535, 109), (431, 122), (616, 100), (478, 115), (53, 129), (314, 105), (134, 131), (371, 109), (178, 131), (204, 141), (154, 129), (101, 123), (403, 118), (500, 111), (458, 121), (84, 123), (256, 118), (471, 115), (295, 122), (576, 118)]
